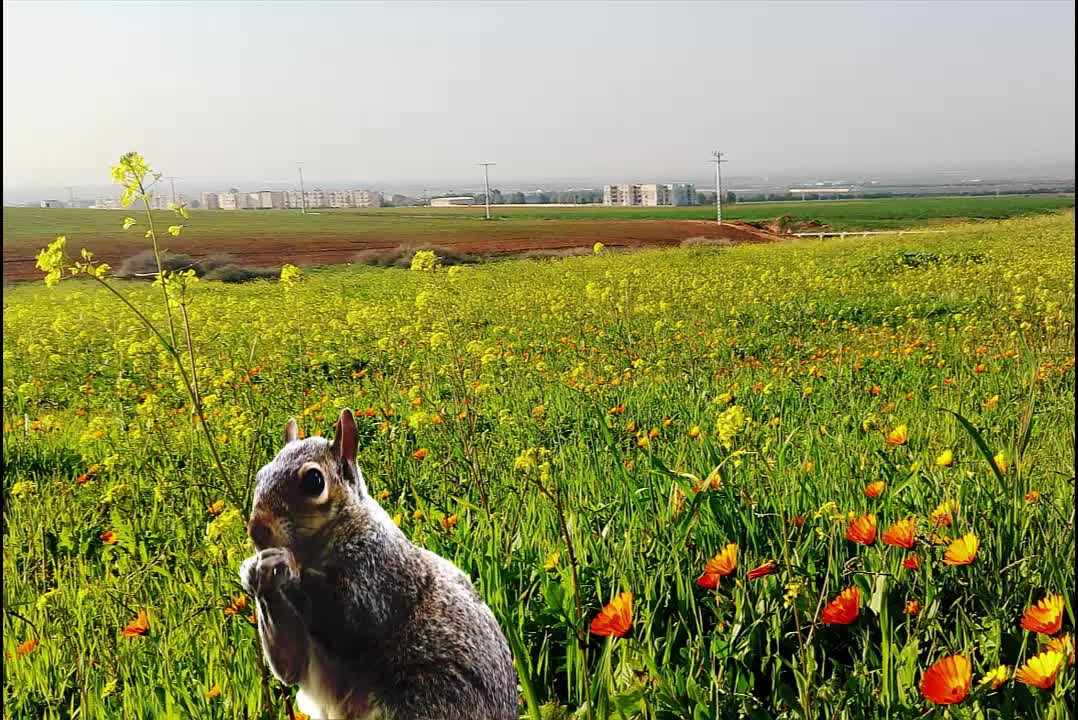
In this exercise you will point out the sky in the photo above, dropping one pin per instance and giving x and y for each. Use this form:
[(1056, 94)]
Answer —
[(619, 91)]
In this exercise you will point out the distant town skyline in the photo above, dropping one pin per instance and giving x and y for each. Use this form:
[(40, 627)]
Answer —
[(412, 93)]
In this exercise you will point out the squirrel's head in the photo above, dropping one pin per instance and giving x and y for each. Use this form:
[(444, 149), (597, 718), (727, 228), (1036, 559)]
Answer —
[(307, 488)]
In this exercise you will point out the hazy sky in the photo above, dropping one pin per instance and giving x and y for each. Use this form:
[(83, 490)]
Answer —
[(619, 90)]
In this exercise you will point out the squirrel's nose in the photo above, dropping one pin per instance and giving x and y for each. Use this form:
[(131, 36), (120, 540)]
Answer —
[(261, 531)]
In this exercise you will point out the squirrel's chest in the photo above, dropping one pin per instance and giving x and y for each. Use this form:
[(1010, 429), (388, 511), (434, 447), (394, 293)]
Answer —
[(327, 693)]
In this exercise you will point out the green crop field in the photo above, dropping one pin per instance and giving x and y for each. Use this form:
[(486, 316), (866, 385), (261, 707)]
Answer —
[(30, 228), (567, 431)]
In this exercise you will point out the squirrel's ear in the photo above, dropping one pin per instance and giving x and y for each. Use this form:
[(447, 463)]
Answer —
[(291, 431), (346, 440)]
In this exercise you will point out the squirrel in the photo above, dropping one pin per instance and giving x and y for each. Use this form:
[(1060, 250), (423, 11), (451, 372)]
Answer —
[(367, 624)]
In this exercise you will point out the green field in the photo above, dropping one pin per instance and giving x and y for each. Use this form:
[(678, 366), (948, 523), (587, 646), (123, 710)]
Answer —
[(634, 413), (31, 228)]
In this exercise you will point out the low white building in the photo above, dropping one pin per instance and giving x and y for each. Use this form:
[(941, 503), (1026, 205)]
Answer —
[(51, 204), (210, 201), (450, 201)]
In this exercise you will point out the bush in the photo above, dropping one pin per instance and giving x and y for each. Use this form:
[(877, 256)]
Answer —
[(144, 265), (239, 274), (401, 256)]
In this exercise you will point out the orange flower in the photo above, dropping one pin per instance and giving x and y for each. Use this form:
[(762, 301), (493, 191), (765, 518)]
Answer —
[(109, 537), (765, 569), (449, 521), (947, 681), (910, 563), (899, 436), (213, 692), (962, 551), (253, 617), (617, 409), (419, 454), (722, 564), (875, 489), (874, 390), (215, 507), (799, 521), (1032, 496), (944, 513), (901, 534), (913, 607), (25, 648), (844, 609), (862, 530), (139, 626), (238, 603), (1040, 670), (616, 618), (1046, 617), (1063, 645)]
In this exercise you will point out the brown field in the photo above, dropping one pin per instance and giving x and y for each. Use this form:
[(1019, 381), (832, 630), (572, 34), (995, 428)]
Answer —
[(325, 245)]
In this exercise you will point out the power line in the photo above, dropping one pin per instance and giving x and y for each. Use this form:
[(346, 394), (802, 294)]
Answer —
[(716, 157), (486, 183)]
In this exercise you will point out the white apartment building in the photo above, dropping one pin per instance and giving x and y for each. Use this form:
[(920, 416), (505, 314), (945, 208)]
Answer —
[(653, 194), (210, 201), (233, 200), (366, 198)]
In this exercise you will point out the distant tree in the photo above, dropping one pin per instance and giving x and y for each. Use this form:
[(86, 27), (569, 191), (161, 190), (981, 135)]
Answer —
[(517, 198), (496, 197), (233, 190), (731, 197)]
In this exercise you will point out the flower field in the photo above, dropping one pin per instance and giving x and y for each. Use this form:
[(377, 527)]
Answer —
[(821, 479)]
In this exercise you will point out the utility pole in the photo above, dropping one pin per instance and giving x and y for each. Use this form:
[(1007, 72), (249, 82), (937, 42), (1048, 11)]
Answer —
[(302, 192), (486, 183), (717, 159)]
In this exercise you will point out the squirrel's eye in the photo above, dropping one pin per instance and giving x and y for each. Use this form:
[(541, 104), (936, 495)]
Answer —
[(312, 483)]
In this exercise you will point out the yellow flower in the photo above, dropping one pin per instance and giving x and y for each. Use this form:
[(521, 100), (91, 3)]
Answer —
[(991, 403), (995, 677), (397, 519), (899, 436), (945, 459), (1002, 462), (552, 560)]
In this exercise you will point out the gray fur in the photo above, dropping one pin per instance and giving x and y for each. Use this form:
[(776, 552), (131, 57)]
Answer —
[(367, 624)]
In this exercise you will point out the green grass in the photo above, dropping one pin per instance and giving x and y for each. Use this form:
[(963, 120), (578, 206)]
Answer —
[(781, 366)]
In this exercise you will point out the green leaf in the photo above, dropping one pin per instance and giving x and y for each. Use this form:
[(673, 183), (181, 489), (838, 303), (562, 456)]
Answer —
[(128, 222), (979, 440)]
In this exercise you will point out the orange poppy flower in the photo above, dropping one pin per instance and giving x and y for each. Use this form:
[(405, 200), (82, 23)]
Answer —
[(449, 521), (765, 569), (1040, 670), (616, 618), (913, 607), (213, 692), (419, 454), (139, 626), (862, 530), (901, 534), (722, 564), (944, 513), (109, 537), (875, 489), (962, 551), (899, 436), (25, 648), (910, 563), (844, 609), (1032, 496), (947, 681), (1063, 645), (1046, 617)]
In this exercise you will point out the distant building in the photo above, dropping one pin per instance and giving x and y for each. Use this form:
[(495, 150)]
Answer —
[(210, 201), (51, 204), (265, 200), (448, 201), (366, 198), (650, 195), (233, 200), (108, 204)]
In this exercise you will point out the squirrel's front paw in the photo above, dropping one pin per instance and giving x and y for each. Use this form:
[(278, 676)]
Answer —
[(271, 569)]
